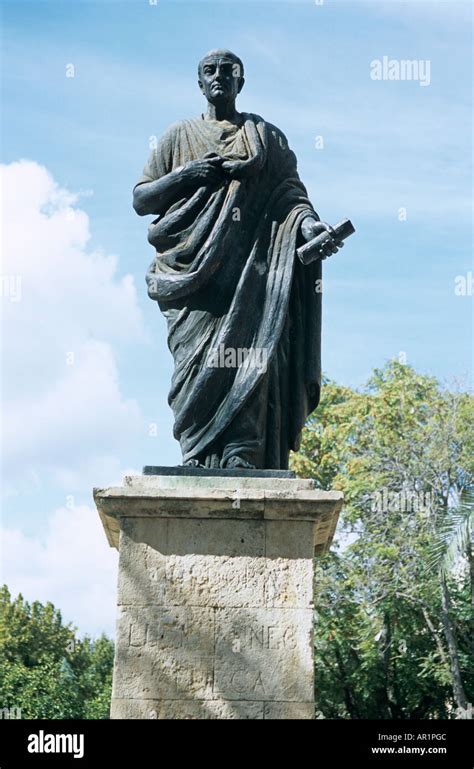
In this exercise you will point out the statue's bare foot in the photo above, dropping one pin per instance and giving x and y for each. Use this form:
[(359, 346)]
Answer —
[(235, 462), (211, 461), (192, 463)]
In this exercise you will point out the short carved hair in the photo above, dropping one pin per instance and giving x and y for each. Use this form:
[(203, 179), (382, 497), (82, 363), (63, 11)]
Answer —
[(222, 53)]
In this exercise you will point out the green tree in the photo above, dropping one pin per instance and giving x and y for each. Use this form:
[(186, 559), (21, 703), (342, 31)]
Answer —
[(45, 670), (392, 623)]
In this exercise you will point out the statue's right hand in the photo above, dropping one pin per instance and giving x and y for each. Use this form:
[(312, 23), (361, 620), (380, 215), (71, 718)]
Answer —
[(201, 172)]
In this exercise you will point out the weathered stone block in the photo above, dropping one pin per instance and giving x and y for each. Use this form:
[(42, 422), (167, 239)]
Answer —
[(215, 594)]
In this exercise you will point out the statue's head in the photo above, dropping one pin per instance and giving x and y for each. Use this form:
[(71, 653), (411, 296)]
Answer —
[(221, 76)]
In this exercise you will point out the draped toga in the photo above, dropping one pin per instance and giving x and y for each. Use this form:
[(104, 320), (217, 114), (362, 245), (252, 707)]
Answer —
[(226, 276)]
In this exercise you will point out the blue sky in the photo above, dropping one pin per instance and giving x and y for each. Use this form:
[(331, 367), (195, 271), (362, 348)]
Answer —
[(387, 145)]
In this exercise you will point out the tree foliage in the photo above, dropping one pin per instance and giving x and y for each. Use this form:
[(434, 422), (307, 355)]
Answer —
[(45, 670), (394, 597)]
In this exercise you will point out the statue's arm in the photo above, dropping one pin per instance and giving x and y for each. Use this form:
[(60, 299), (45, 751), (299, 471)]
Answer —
[(154, 197)]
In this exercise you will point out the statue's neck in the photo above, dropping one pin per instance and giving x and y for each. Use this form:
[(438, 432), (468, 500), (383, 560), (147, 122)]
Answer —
[(222, 112)]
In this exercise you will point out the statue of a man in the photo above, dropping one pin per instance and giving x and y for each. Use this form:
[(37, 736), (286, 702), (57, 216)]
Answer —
[(243, 313)]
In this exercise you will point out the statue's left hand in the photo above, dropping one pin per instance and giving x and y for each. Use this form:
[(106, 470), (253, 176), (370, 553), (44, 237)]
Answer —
[(311, 228)]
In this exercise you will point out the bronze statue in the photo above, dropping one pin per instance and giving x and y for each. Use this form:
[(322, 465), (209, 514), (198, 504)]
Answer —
[(243, 309)]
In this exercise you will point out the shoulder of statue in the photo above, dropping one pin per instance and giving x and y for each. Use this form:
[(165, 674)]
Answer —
[(253, 116), (279, 136), (179, 127), (272, 130), (175, 128)]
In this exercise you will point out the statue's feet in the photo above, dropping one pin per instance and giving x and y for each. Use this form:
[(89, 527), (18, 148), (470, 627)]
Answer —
[(237, 462), (212, 461)]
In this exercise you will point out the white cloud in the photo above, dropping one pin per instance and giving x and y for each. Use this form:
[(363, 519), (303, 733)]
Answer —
[(64, 409), (71, 565), (66, 312)]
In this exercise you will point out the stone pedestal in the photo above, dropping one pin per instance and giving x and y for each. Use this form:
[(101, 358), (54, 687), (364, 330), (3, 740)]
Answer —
[(215, 594)]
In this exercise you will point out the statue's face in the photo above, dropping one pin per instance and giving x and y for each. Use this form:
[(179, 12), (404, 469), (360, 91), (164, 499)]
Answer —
[(220, 79)]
